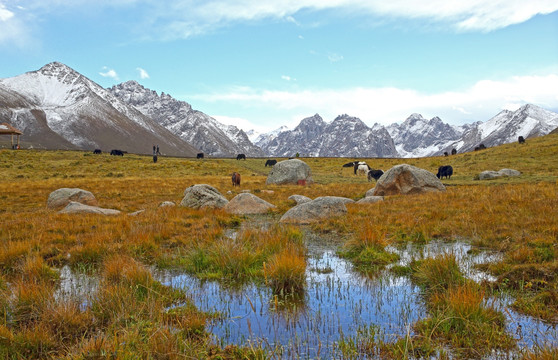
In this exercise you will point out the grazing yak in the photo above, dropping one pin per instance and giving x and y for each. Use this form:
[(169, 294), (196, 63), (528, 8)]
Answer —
[(117, 152), (235, 179), (480, 147), (351, 164), (361, 167), (270, 162), (374, 174), (199, 156), (446, 171), (97, 151), (453, 151), (521, 140), (240, 156)]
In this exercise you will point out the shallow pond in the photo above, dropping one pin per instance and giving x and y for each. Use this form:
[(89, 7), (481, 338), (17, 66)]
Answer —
[(337, 303)]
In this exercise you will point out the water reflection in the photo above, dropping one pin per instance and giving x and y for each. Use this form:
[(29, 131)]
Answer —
[(336, 302)]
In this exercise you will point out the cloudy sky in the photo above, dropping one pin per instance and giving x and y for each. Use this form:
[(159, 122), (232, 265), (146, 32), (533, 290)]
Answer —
[(262, 64)]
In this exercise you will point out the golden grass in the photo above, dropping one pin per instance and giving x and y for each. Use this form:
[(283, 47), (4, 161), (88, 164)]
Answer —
[(516, 216)]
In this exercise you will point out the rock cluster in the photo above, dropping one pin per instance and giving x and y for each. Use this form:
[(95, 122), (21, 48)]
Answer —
[(489, 174)]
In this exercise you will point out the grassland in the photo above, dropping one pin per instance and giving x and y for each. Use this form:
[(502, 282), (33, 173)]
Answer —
[(132, 315)]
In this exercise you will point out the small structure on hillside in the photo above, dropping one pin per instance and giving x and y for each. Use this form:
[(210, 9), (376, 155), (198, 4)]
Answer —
[(7, 129)]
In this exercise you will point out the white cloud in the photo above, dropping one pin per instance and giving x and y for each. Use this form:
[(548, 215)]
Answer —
[(110, 73), (186, 18), (13, 28), (5, 14), (389, 105), (287, 78), (142, 73)]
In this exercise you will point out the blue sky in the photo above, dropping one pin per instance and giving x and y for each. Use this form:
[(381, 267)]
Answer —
[(262, 64)]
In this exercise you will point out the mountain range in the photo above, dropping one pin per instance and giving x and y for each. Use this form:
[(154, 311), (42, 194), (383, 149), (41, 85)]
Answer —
[(58, 108)]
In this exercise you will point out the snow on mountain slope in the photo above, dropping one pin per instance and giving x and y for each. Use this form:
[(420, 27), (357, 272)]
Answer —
[(345, 136), (505, 127), (64, 109), (195, 127)]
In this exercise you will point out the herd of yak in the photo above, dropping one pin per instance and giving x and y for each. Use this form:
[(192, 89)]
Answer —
[(360, 167)]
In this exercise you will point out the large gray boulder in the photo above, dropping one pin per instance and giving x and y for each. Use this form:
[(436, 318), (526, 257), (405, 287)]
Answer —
[(74, 207), (62, 197), (407, 179), (203, 196), (289, 172), (247, 204), (315, 210)]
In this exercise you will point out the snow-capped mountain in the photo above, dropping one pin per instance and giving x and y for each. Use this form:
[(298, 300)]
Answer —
[(527, 121), (56, 107), (419, 137), (262, 139), (345, 136), (195, 127)]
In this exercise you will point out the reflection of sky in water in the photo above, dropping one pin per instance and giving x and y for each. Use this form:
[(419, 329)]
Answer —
[(334, 304)]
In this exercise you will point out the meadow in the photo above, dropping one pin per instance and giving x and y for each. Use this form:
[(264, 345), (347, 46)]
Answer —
[(130, 313)]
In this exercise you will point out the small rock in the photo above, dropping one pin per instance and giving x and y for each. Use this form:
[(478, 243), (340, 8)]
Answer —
[(167, 204), (136, 213), (370, 200), (78, 208), (299, 199), (370, 192)]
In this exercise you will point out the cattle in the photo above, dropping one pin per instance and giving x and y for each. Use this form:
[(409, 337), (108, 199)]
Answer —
[(199, 156), (521, 140), (235, 179), (446, 171), (361, 167), (270, 162), (97, 151), (480, 147), (117, 152), (374, 174), (453, 151), (446, 153), (351, 164), (240, 156)]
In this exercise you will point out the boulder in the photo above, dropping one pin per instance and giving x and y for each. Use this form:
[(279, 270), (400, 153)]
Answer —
[(370, 200), (75, 207), (509, 172), (315, 210), (370, 192), (489, 174), (203, 196), (407, 179), (246, 203), (289, 172), (62, 197), (299, 199)]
